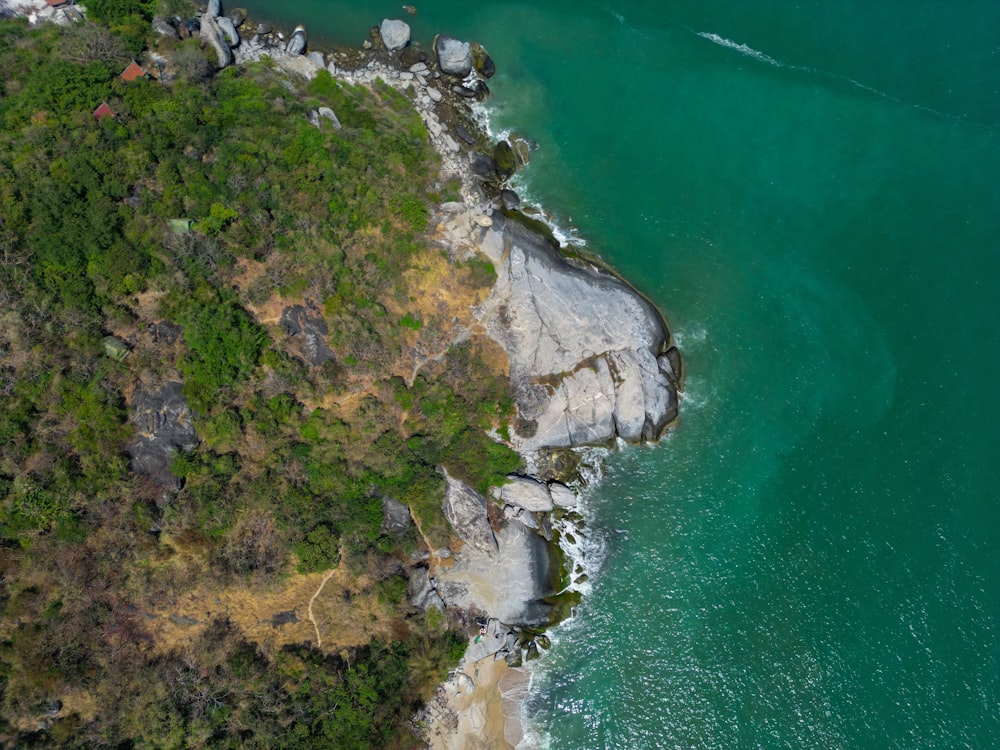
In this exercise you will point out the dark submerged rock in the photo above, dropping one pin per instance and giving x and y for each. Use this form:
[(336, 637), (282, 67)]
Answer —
[(482, 61)]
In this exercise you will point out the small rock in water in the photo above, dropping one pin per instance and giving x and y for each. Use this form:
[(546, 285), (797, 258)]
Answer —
[(463, 91), (264, 28), (411, 9), (238, 16), (482, 61)]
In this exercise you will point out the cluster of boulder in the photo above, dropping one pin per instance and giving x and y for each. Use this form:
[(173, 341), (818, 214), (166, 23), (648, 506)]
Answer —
[(221, 32)]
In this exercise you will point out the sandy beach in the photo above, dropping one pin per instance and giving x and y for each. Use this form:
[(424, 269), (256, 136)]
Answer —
[(479, 705)]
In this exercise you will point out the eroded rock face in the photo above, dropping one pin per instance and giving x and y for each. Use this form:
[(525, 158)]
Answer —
[(395, 33), (163, 427), (465, 510), (213, 35), (306, 330), (582, 346), (454, 57)]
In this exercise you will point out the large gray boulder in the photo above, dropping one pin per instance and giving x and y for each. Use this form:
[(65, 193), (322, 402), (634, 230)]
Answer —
[(214, 8), (213, 35), (526, 493), (465, 510), (163, 427), (454, 57), (395, 33), (582, 346), (297, 44)]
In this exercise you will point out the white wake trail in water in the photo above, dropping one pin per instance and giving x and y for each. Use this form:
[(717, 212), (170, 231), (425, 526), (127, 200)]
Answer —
[(741, 48), (749, 51)]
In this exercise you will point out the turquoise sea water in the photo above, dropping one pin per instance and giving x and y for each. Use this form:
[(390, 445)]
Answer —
[(811, 192)]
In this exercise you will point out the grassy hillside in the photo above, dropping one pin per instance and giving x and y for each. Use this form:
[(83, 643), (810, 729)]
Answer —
[(132, 615)]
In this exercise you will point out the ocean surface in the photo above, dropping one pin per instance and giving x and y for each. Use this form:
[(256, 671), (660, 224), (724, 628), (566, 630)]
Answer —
[(811, 192)]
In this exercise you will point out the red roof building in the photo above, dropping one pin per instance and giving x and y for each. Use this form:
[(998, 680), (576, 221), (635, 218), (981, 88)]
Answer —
[(57, 3), (133, 71), (104, 111)]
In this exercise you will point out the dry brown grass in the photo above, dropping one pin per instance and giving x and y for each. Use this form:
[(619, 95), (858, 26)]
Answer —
[(347, 612)]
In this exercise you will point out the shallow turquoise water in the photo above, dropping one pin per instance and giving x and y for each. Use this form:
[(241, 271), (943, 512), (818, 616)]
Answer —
[(811, 192)]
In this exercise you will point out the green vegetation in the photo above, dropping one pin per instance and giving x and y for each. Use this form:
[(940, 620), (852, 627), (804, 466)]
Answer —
[(294, 459)]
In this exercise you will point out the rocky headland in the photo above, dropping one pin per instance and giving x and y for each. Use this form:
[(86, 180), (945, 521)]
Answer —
[(591, 361)]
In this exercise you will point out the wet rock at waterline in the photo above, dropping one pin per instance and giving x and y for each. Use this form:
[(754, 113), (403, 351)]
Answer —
[(395, 34), (454, 57)]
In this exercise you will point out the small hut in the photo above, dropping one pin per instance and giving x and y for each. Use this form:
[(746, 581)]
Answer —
[(133, 71), (104, 111)]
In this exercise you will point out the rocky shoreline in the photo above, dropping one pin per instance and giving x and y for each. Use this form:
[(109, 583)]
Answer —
[(591, 360)]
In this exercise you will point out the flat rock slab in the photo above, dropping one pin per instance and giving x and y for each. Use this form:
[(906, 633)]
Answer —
[(510, 584)]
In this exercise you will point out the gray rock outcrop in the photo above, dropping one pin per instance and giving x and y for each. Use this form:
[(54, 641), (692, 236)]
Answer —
[(395, 33), (454, 57), (465, 510), (330, 115), (214, 8), (213, 35), (163, 427), (229, 29), (395, 517), (306, 330), (163, 28), (582, 346), (562, 496)]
